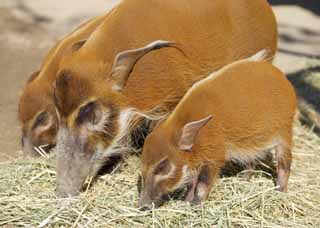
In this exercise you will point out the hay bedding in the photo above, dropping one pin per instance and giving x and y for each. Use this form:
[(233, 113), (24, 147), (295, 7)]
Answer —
[(27, 197)]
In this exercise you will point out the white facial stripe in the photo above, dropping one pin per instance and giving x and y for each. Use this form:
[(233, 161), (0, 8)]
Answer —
[(121, 142), (170, 174), (101, 153), (46, 127), (186, 177)]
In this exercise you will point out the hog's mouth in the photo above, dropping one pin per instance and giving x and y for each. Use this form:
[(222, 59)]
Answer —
[(178, 194)]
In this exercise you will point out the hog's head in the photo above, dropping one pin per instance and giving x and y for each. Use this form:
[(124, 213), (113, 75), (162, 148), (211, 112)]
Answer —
[(93, 115)]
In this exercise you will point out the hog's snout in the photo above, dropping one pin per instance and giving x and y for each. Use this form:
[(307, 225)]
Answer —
[(147, 203), (71, 177), (73, 163), (67, 191)]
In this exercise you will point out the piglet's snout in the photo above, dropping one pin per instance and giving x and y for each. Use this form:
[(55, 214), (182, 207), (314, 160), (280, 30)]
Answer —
[(145, 201)]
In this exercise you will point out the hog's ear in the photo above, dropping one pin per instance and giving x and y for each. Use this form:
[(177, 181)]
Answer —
[(33, 76), (190, 132), (125, 61)]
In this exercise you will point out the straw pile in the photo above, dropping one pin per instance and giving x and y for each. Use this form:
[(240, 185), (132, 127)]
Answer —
[(27, 197)]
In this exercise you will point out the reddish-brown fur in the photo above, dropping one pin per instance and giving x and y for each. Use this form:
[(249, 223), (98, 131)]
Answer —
[(209, 35), (252, 106), (230, 31)]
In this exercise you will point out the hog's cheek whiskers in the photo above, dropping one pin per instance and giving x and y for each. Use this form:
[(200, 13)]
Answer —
[(98, 159), (121, 142), (101, 126)]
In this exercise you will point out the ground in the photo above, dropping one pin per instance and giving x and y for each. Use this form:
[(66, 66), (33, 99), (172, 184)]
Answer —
[(30, 27)]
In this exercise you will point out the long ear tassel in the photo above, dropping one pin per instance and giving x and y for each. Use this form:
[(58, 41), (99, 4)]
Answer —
[(125, 61)]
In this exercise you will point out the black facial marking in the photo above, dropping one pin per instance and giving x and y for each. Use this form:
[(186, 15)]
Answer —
[(140, 132), (87, 114), (178, 194), (41, 119), (204, 175)]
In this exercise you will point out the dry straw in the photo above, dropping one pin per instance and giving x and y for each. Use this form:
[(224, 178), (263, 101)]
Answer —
[(27, 198)]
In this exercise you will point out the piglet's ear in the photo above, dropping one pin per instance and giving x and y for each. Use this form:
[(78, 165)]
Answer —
[(125, 61), (190, 132)]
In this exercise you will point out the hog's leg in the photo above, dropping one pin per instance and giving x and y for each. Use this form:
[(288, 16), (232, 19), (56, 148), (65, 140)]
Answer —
[(284, 158), (191, 189), (206, 178)]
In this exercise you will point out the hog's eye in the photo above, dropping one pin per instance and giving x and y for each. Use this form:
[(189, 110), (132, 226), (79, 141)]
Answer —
[(41, 119), (163, 167), (89, 113)]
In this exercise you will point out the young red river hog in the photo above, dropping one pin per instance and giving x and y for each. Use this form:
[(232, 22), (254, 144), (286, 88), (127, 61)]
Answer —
[(96, 99), (237, 113)]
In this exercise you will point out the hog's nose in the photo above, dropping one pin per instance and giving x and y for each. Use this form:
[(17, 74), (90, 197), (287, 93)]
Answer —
[(145, 204), (66, 194), (67, 191)]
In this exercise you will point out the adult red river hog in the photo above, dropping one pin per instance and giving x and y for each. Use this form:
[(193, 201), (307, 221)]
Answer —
[(36, 109), (96, 100), (237, 113)]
